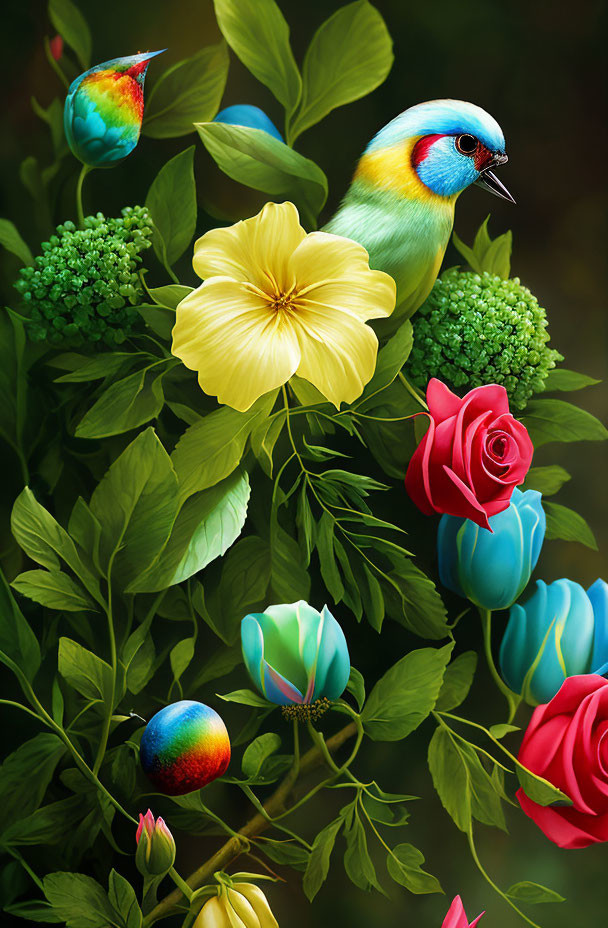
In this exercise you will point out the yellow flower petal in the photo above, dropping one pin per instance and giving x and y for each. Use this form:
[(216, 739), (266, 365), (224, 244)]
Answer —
[(240, 346), (213, 915), (334, 270), (256, 249), (338, 351)]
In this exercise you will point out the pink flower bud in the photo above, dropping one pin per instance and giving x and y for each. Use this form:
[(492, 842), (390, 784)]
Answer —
[(457, 917), (56, 47), (155, 853)]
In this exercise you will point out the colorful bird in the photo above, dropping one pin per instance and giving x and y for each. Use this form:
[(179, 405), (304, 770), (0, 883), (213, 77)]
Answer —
[(400, 205), (104, 109)]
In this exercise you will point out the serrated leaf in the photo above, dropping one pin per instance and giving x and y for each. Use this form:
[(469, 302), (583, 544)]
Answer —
[(349, 56), (188, 92), (406, 694)]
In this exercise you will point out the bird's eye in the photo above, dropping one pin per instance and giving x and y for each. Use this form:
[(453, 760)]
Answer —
[(466, 144)]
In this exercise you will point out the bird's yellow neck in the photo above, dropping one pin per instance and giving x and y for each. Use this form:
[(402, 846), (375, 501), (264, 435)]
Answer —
[(390, 169)]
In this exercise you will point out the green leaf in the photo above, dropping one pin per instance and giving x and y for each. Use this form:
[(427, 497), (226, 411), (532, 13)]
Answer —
[(256, 159), (13, 378), (26, 774), (104, 365), (50, 824), (243, 585), (349, 56), (180, 657), (257, 752), (188, 92), (487, 255), (211, 449), (247, 698), (170, 295), (34, 912), (404, 863), (547, 480), (533, 893), (502, 729), (171, 200), (568, 525), (125, 405), (264, 438), (18, 644), (416, 603), (457, 681), (122, 897), (45, 540), (406, 694), (285, 852), (12, 241), (84, 671), (72, 27), (538, 789), (139, 657), (257, 32), (356, 686), (52, 588), (555, 420), (135, 504), (79, 900), (391, 359), (207, 524), (450, 778), (561, 379), (318, 864), (289, 579), (357, 862)]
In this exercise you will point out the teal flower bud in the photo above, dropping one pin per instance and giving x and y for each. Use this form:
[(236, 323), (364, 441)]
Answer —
[(492, 568), (294, 654), (155, 854), (559, 632)]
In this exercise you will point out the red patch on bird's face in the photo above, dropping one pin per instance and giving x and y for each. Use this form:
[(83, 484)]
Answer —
[(422, 146), (483, 157)]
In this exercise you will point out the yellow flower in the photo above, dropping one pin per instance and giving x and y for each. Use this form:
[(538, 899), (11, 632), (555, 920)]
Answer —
[(243, 905), (276, 302)]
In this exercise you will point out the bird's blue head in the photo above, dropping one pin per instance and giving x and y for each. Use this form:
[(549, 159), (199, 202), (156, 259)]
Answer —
[(455, 144)]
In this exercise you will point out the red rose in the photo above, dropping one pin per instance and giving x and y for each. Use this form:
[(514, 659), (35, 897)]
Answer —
[(473, 454), (567, 744)]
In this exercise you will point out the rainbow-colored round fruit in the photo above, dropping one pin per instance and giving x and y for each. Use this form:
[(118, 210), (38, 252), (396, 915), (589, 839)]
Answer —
[(184, 747)]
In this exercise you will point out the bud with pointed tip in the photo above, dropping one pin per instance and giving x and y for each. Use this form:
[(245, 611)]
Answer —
[(155, 853)]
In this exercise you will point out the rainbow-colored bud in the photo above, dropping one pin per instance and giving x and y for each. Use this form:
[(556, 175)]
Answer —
[(184, 747), (104, 109), (252, 117), (295, 655), (155, 853)]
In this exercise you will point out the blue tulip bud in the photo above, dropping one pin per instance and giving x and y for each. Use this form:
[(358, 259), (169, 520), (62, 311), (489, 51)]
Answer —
[(252, 117), (492, 568), (559, 632), (294, 654)]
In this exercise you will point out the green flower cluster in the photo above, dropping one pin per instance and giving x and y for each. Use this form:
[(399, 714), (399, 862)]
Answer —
[(478, 328), (84, 285)]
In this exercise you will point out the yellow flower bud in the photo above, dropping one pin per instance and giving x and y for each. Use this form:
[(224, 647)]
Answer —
[(243, 905)]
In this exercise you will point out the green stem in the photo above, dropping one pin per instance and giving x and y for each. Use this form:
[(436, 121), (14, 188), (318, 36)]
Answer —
[(492, 883), (105, 734), (181, 883), (296, 748), (412, 390), (512, 698), (85, 169)]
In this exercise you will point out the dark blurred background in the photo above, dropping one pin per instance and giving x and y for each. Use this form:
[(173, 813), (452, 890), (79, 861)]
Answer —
[(536, 66)]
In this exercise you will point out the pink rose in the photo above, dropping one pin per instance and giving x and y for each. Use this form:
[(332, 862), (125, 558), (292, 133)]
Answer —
[(567, 743), (472, 456), (457, 917)]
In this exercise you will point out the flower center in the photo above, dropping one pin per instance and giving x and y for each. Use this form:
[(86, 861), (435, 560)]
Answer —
[(282, 301), (497, 446)]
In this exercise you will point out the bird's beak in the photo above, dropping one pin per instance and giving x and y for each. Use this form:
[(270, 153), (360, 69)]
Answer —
[(489, 180)]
